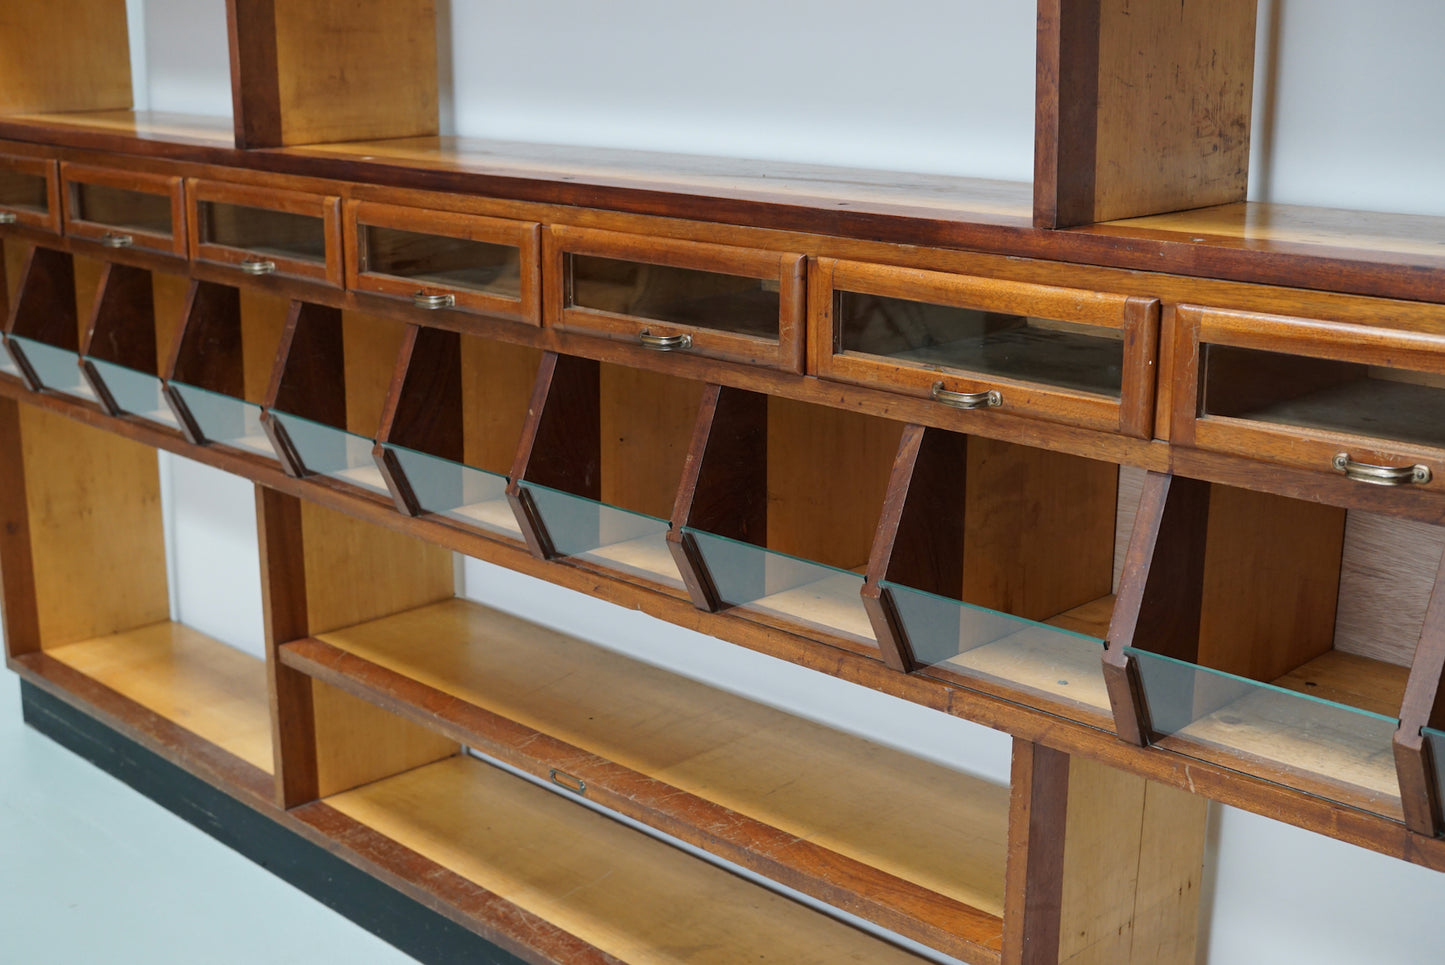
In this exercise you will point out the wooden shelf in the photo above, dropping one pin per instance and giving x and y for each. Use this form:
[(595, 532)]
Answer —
[(157, 127)]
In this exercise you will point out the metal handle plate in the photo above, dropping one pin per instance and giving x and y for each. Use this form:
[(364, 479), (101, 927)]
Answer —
[(1380, 475), (562, 779), (664, 343), (966, 400), (8, 217), (258, 266), (423, 300), (113, 240)]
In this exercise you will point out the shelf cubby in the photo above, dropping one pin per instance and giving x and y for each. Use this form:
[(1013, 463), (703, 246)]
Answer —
[(451, 426), (131, 333), (598, 467), (50, 320), (993, 569), (764, 525)]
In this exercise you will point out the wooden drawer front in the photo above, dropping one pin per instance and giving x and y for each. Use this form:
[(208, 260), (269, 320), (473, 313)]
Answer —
[(1320, 395), (1081, 357), (444, 260), (29, 193), (262, 231), (121, 209), (739, 304)]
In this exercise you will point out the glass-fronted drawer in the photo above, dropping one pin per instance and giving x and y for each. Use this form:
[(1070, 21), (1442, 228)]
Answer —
[(445, 260), (262, 231), (1080, 357), (1367, 403), (719, 301), (29, 193), (123, 209)]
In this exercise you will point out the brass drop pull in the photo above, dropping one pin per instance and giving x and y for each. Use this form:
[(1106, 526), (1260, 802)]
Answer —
[(1380, 475), (432, 302), (967, 400), (664, 343), (8, 217), (562, 779), (112, 239), (258, 266)]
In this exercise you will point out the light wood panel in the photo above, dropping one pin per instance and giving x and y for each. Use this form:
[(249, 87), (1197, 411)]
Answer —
[(357, 743), (263, 319), (63, 55), (497, 380), (87, 289), (370, 345), (168, 293), (631, 896), (1386, 575), (1352, 680), (646, 424)]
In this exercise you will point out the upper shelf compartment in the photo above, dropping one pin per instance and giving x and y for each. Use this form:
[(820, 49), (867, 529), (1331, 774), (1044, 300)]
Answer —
[(719, 301), (265, 231)]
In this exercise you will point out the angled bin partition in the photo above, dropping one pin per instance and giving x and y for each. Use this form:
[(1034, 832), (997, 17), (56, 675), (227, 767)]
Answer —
[(598, 467), (324, 406), (450, 429), (993, 568), (134, 327), (44, 334), (777, 512)]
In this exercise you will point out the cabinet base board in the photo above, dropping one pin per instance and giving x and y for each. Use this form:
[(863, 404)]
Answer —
[(387, 913)]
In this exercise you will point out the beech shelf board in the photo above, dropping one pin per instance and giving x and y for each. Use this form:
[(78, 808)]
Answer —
[(194, 130), (215, 691), (792, 774), (620, 891)]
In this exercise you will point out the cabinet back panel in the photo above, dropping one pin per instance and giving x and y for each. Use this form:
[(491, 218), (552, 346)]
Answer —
[(263, 319), (497, 380), (370, 345), (646, 420), (63, 55), (169, 295)]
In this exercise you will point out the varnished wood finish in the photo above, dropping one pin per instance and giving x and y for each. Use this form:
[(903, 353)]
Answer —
[(122, 329), (1423, 706), (1038, 812), (21, 612), (45, 309), (170, 242), (308, 380), (38, 224), (328, 269), (50, 62)]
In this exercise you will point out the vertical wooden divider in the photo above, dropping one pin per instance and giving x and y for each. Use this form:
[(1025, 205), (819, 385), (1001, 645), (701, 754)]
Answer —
[(1034, 874), (121, 328), (1423, 706), (21, 611)]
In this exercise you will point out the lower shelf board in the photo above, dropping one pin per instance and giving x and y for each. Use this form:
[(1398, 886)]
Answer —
[(624, 893), (195, 681)]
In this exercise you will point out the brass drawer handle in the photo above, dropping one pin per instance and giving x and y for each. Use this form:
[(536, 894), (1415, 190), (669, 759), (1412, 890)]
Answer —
[(113, 240), (258, 266), (8, 217), (432, 302), (1380, 475), (966, 400), (664, 343)]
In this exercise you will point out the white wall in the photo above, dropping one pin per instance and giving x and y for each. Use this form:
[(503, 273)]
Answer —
[(1348, 114)]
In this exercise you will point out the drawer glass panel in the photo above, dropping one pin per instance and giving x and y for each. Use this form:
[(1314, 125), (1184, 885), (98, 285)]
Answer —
[(226, 419), (122, 208), (138, 393), (1311, 393), (473, 497), (444, 262), (618, 539), (328, 451), (266, 232), (1333, 749), (58, 369), (23, 192), (786, 587), (957, 641), (1079, 358), (684, 296)]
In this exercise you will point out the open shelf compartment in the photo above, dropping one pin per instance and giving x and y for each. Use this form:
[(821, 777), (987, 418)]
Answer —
[(131, 335), (50, 320)]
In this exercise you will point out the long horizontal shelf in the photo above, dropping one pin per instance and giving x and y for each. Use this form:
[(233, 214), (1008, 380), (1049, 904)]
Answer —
[(620, 891), (771, 791), (212, 690)]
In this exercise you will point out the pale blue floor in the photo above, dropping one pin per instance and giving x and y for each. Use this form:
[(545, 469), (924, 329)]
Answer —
[(93, 873)]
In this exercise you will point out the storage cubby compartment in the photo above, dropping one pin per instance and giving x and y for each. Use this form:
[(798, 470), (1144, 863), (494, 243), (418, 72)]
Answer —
[(124, 209), (131, 336), (265, 231), (324, 407), (451, 428), (1225, 644), (597, 471), (87, 602), (777, 512), (50, 319), (221, 366), (29, 192), (1080, 357), (993, 570)]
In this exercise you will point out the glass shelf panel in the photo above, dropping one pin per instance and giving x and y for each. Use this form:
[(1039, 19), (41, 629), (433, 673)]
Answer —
[(443, 261), (58, 369), (785, 587), (1327, 748), (23, 192), (328, 451), (265, 232), (684, 296), (138, 393), (1435, 739), (956, 641), (226, 419), (473, 497), (122, 208), (618, 539)]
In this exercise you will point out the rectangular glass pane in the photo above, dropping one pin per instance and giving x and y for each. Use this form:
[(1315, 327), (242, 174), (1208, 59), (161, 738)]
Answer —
[(616, 538), (473, 497), (1310, 393), (685, 296), (328, 451), (23, 192), (1079, 358), (138, 393), (7, 365), (1330, 749), (775, 584), (122, 208), (58, 369), (225, 419), (264, 231), (444, 262), (958, 640), (1436, 741)]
